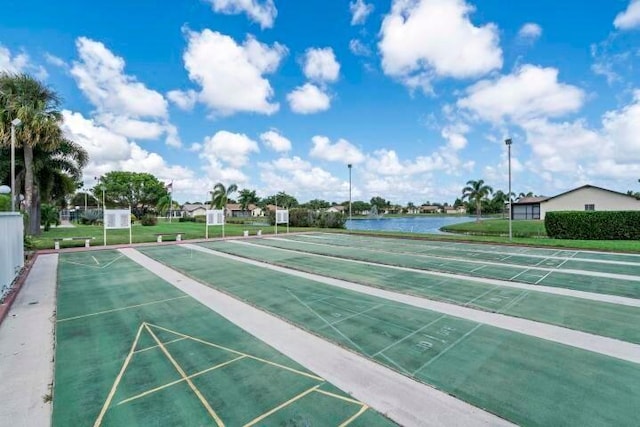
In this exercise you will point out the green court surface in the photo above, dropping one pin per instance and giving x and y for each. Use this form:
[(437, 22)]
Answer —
[(611, 320), (133, 350), (524, 379), (522, 274)]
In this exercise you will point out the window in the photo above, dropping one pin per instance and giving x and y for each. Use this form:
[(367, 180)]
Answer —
[(590, 207)]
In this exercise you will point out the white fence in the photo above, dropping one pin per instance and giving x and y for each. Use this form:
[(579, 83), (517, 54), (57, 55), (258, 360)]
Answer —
[(11, 248)]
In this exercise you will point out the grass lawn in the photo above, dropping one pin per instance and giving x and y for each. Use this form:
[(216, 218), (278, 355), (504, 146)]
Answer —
[(141, 234), (500, 227)]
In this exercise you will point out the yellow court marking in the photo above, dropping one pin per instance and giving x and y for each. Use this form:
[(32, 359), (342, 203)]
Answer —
[(315, 377), (112, 392), (153, 390), (282, 405), (337, 396), (356, 415), (119, 309), (186, 378), (155, 346)]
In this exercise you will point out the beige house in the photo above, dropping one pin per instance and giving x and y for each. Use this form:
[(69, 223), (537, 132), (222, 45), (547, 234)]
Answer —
[(336, 208), (585, 198), (196, 209), (455, 211), (429, 209)]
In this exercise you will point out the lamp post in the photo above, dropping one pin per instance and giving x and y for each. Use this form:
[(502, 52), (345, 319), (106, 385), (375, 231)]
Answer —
[(14, 123), (349, 166), (508, 142)]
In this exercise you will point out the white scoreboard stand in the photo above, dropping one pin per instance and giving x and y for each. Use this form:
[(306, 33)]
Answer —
[(282, 217), (214, 217), (115, 219)]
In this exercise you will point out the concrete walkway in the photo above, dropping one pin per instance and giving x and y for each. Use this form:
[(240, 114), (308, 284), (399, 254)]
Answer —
[(26, 349), (613, 299), (607, 346), (402, 399)]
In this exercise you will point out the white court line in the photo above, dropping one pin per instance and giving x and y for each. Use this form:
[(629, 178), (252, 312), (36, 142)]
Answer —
[(410, 335), (351, 316), (94, 258), (443, 352)]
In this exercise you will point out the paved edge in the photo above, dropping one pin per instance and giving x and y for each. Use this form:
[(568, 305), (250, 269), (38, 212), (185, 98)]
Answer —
[(595, 343), (402, 399), (591, 296), (27, 349)]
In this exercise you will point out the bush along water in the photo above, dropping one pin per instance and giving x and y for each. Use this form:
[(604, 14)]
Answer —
[(300, 217), (593, 225)]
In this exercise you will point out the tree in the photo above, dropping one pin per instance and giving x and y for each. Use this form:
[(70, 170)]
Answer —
[(379, 203), (138, 190), (317, 204), (79, 199), (38, 108), (50, 216), (247, 197), (282, 200), (358, 207), (476, 192), (220, 195)]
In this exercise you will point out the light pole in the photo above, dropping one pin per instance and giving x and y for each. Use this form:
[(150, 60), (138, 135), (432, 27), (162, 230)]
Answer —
[(508, 142), (14, 123), (349, 166)]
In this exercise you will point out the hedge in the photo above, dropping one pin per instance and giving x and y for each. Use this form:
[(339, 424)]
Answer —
[(593, 225), (300, 217)]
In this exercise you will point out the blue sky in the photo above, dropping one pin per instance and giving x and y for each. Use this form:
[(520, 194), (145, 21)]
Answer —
[(276, 95)]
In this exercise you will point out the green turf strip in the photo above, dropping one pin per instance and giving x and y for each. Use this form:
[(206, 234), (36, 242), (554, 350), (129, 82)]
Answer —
[(527, 380), (502, 254), (602, 285), (600, 318), (91, 350)]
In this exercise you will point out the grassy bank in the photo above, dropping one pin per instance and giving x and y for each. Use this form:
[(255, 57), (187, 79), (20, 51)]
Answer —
[(499, 227), (141, 234)]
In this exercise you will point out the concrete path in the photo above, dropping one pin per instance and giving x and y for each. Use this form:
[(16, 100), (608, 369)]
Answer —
[(607, 346), (613, 299), (402, 399), (26, 349)]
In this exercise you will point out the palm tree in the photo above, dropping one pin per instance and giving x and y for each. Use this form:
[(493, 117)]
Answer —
[(38, 107), (220, 195), (247, 197), (476, 191)]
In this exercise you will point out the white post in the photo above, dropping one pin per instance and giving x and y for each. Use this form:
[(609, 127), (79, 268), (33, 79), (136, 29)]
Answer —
[(509, 142), (170, 202), (276, 201), (13, 167), (349, 165), (104, 218)]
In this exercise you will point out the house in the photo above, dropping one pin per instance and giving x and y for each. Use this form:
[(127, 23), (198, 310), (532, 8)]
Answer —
[(257, 211), (585, 198), (336, 208), (429, 209), (194, 209), (235, 210), (412, 210), (450, 210)]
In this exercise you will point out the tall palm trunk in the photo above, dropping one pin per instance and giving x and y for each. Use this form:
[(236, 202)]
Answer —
[(478, 210), (30, 204)]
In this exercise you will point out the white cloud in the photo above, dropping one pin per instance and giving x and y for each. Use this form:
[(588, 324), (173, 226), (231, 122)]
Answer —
[(54, 60), (529, 92), (100, 76), (184, 99), (359, 11), (455, 135), (358, 48), (20, 63), (263, 12), (387, 163), (275, 141), (231, 75), (424, 39), (342, 151), (231, 148), (320, 65), (308, 99), (630, 18), (530, 32)]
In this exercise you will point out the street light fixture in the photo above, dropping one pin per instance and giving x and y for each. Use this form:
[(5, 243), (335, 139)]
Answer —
[(349, 166), (14, 123), (508, 142)]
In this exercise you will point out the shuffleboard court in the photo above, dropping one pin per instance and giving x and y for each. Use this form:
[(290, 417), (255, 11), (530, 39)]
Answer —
[(587, 281), (606, 319), (627, 264), (524, 379), (133, 350)]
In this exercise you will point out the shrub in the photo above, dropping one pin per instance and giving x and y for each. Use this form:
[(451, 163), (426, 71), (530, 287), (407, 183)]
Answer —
[(49, 215), (186, 219), (300, 217), (5, 202), (91, 217), (149, 219), (593, 225)]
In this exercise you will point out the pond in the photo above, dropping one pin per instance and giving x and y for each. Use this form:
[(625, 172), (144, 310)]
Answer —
[(420, 224)]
